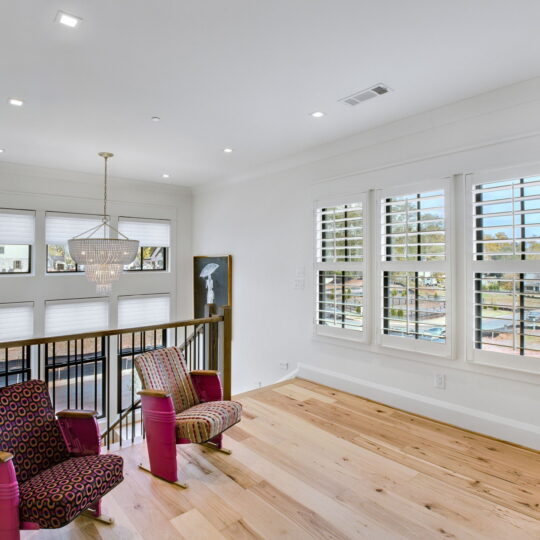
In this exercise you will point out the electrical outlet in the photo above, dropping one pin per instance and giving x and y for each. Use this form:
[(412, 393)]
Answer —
[(284, 366), (440, 381)]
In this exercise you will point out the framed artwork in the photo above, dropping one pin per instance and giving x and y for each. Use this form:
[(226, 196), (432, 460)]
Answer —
[(212, 282)]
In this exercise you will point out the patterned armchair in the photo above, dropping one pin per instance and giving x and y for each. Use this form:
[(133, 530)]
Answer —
[(180, 408), (51, 469)]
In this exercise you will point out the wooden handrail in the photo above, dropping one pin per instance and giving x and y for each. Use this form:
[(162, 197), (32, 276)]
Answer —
[(112, 332)]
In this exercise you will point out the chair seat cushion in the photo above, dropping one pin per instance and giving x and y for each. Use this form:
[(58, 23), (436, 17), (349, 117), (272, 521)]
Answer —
[(206, 420), (57, 495)]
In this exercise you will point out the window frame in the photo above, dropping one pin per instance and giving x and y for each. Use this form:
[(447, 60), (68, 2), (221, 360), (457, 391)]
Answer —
[(166, 249), (358, 336), (73, 215), (474, 355), (446, 266), (142, 269), (30, 246)]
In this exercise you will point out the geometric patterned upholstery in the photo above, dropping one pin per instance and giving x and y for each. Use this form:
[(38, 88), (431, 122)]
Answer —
[(165, 369), (59, 494), (202, 422), (29, 429)]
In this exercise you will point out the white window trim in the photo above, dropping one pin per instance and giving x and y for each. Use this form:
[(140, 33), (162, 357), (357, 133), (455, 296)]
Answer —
[(479, 356), (363, 266), (445, 350)]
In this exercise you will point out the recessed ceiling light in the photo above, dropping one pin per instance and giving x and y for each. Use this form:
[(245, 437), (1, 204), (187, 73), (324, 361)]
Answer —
[(68, 20), (227, 150), (317, 114), (16, 102), (165, 175), (1, 150), (156, 119)]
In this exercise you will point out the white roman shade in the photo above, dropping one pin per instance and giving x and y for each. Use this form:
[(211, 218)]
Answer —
[(76, 316), (149, 232), (59, 228), (16, 321), (16, 227), (135, 311)]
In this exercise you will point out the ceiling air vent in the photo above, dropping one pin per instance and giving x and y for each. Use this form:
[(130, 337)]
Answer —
[(364, 95)]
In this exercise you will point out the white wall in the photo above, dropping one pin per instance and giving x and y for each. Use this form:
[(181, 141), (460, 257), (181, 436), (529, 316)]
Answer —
[(266, 224), (41, 189)]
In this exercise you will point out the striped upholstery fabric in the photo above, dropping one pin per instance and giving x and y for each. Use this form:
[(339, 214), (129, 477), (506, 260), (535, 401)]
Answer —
[(206, 420), (165, 369)]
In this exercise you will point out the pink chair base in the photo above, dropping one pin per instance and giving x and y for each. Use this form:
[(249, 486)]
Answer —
[(160, 426)]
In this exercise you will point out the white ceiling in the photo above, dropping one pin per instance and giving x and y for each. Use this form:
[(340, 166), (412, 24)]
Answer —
[(238, 73)]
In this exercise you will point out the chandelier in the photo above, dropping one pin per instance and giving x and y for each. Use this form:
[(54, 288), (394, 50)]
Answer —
[(103, 258)]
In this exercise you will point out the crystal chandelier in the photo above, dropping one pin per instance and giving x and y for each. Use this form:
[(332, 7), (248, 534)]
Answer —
[(103, 258)]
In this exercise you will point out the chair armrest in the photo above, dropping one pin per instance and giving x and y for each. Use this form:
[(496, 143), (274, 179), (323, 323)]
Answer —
[(76, 413), (204, 372), (81, 431), (154, 393), (5, 457), (207, 385)]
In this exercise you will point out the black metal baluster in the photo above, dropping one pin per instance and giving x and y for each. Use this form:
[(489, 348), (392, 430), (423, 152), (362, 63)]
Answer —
[(95, 374), (82, 374), (133, 392), (107, 409), (54, 373), (69, 375)]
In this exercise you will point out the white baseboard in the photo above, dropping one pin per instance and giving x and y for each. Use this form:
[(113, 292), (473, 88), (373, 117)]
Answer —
[(479, 421)]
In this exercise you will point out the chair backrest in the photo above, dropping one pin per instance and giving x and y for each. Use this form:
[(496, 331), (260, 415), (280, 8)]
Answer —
[(29, 429), (165, 369)]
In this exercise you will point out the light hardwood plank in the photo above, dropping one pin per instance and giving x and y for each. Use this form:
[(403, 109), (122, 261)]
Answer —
[(313, 462)]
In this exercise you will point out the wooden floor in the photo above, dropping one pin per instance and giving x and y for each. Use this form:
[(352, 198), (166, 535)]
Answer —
[(312, 462)]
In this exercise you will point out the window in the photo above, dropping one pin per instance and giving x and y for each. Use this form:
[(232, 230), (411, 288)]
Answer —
[(59, 228), (133, 312), (16, 322), (154, 239), (414, 270), (74, 369), (16, 240), (506, 239), (340, 272)]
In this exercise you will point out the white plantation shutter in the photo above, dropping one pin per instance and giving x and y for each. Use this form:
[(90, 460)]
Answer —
[(59, 228), (135, 311), (414, 227), (340, 233), (16, 321), (507, 220), (415, 269), (76, 316), (505, 271), (16, 227), (149, 232), (340, 272)]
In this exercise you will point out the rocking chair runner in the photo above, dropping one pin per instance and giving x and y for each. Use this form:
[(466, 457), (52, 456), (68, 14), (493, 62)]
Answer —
[(51, 469), (180, 408)]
